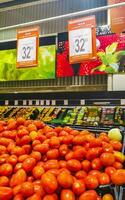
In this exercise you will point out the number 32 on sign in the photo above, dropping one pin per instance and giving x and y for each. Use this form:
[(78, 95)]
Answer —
[(82, 39), (27, 47)]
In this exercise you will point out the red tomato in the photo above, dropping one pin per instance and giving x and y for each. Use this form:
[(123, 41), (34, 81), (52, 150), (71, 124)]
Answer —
[(118, 178), (12, 125), (107, 148), (42, 148), (67, 139), (62, 164), (51, 164), (30, 179), (78, 187), (20, 121), (67, 195), (16, 189), (69, 155), (5, 141), (37, 172), (117, 165), (63, 150), (17, 167), (22, 158), (29, 164), (36, 155), (39, 189), (78, 140), (79, 154), (49, 183), (2, 149), (95, 173), (18, 197), (92, 154), (53, 154), (18, 178), (117, 146), (55, 172), (54, 142), (6, 169), (25, 140), (51, 197), (96, 164), (51, 134), (27, 189), (21, 132), (32, 127), (96, 142), (91, 182), (18, 151), (12, 160), (73, 165), (6, 193), (80, 174), (89, 195), (58, 129), (110, 170), (107, 159), (35, 197), (4, 181), (67, 129), (65, 179), (104, 179), (38, 124), (86, 165)]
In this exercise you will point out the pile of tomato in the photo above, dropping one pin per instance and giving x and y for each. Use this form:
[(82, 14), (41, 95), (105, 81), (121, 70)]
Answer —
[(38, 162)]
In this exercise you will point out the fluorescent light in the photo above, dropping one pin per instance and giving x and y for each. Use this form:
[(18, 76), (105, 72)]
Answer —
[(5, 1)]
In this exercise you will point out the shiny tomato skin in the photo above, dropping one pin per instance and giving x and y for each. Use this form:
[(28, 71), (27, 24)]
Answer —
[(67, 195), (18, 178), (107, 197), (107, 159), (4, 181), (95, 173), (55, 172), (6, 193), (27, 148), (17, 167), (29, 164), (110, 170), (18, 151), (63, 150), (35, 196), (49, 182), (54, 142), (89, 195), (80, 174), (39, 189), (51, 197), (6, 169), (117, 165), (96, 164), (51, 164), (16, 189), (36, 155), (53, 154), (91, 182), (92, 154), (62, 164), (42, 148), (22, 158), (18, 197), (73, 165), (65, 179), (27, 189), (78, 140), (69, 155), (104, 179), (12, 160), (32, 127), (79, 154), (86, 165), (37, 172), (117, 146), (78, 187), (96, 142), (118, 178)]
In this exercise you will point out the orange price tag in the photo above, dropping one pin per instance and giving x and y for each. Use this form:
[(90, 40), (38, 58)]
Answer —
[(27, 47), (117, 17), (82, 39)]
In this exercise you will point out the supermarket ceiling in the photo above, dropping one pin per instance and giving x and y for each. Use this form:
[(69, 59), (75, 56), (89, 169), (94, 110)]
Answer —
[(13, 3)]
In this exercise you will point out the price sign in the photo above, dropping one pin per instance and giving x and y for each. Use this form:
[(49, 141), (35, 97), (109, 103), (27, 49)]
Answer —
[(82, 39), (27, 47)]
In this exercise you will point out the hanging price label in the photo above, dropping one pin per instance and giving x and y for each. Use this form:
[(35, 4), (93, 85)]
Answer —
[(82, 39), (27, 47)]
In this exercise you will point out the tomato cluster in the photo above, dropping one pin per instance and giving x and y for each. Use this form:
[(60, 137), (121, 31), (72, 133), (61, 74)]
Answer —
[(40, 162)]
